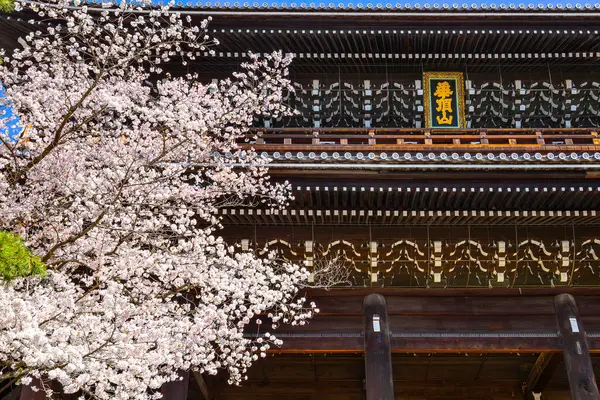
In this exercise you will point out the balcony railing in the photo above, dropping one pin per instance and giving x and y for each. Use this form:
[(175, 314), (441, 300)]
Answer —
[(414, 139)]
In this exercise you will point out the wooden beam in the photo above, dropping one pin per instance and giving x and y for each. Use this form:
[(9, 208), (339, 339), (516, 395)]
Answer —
[(445, 306), (462, 344), (413, 326), (540, 374), (176, 390), (202, 385), (451, 292), (452, 344), (578, 363), (378, 355)]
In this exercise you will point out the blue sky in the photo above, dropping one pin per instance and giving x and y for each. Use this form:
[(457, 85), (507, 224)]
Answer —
[(6, 113)]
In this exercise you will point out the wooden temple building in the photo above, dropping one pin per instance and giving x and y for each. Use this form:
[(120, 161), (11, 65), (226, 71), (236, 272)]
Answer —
[(448, 156), (470, 213)]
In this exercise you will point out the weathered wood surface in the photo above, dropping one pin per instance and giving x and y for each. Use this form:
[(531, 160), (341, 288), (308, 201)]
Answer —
[(580, 369), (433, 323), (333, 344), (446, 306), (176, 390), (27, 393), (379, 383)]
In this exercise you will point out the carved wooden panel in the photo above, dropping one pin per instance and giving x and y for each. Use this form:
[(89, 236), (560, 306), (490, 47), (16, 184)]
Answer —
[(463, 256)]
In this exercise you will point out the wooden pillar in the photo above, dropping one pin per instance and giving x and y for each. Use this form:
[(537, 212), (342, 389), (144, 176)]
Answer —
[(378, 355), (578, 363), (176, 390)]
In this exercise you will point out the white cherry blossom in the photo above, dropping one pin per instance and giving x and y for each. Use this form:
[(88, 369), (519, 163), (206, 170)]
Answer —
[(115, 182)]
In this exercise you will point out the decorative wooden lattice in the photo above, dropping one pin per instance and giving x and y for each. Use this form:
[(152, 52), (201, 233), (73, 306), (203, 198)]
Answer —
[(494, 104)]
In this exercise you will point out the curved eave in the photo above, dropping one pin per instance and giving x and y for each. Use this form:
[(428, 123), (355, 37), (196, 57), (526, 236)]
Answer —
[(394, 12), (409, 9)]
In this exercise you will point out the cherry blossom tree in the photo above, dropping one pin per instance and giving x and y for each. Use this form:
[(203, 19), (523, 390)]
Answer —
[(114, 183)]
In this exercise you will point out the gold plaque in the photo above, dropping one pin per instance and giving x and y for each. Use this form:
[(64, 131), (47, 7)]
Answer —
[(444, 98)]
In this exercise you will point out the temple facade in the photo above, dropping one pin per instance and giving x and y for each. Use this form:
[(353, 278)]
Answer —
[(448, 157)]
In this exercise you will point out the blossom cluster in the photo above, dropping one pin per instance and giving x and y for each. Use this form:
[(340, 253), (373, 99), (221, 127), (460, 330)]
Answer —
[(115, 183)]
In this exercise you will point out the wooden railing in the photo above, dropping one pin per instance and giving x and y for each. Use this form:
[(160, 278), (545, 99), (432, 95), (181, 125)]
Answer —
[(526, 139)]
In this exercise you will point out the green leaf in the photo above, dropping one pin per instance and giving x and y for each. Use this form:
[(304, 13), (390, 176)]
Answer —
[(7, 6), (16, 260)]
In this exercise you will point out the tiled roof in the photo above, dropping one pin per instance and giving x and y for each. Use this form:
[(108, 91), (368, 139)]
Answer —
[(557, 6)]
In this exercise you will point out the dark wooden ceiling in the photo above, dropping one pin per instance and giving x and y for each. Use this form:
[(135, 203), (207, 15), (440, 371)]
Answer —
[(401, 39), (463, 376)]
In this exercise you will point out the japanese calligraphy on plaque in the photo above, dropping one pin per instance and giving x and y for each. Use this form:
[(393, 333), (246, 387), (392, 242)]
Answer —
[(444, 97)]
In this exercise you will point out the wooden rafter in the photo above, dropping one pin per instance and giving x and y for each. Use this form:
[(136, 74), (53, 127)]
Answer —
[(540, 374)]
